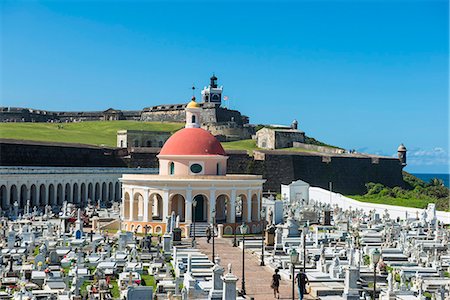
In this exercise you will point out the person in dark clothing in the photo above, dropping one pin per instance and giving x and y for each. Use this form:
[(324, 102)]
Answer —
[(301, 280), (208, 234), (276, 284)]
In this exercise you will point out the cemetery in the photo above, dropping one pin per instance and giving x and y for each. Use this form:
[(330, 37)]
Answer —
[(346, 253)]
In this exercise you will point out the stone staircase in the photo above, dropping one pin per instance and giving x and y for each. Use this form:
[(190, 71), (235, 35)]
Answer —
[(200, 229)]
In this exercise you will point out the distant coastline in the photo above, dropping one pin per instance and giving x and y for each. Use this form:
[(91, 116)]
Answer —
[(428, 176)]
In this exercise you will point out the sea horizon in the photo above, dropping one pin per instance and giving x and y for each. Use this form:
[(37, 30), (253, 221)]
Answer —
[(428, 176)]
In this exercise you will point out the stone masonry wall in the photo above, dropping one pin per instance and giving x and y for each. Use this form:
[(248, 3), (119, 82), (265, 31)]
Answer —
[(348, 174)]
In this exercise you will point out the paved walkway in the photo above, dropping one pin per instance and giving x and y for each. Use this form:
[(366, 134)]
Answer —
[(257, 278)]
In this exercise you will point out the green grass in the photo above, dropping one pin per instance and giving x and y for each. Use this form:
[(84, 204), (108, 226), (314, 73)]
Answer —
[(407, 202), (149, 280), (83, 288), (91, 133), (248, 145), (292, 149), (115, 292)]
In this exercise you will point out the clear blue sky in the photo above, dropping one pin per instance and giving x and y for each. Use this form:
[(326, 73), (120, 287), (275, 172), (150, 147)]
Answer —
[(363, 75)]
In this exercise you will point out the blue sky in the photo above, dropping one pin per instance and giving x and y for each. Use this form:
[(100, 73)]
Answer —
[(365, 75)]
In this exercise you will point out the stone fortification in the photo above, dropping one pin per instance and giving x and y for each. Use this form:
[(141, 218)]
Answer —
[(348, 172)]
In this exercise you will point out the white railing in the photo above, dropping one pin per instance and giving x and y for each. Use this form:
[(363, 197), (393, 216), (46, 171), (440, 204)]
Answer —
[(322, 195)]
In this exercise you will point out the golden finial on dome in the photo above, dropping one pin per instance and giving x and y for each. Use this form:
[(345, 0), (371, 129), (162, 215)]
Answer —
[(193, 104)]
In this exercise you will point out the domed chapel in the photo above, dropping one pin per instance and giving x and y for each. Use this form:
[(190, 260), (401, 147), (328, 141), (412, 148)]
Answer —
[(192, 183)]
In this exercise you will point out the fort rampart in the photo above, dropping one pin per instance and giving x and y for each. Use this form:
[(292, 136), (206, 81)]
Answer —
[(348, 173)]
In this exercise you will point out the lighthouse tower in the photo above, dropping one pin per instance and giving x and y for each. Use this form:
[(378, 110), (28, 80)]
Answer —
[(212, 93)]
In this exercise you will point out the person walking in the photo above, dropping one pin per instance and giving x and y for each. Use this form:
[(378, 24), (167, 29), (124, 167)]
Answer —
[(208, 234), (301, 280), (276, 284)]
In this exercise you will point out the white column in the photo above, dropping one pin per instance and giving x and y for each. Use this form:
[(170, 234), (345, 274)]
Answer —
[(131, 205), (47, 195), (188, 206), (212, 204), (249, 206), (259, 206), (232, 215), (165, 205), (85, 196), (122, 206), (146, 205)]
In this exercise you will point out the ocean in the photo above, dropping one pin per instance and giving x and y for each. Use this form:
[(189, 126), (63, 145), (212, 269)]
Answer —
[(427, 177)]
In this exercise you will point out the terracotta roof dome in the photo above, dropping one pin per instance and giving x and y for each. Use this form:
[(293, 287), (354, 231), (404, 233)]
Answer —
[(192, 141)]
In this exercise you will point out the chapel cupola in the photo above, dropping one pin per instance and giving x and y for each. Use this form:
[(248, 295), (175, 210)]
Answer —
[(193, 112)]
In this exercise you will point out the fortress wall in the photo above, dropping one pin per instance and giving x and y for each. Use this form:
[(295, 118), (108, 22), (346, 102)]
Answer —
[(227, 115), (13, 153), (348, 174), (164, 116)]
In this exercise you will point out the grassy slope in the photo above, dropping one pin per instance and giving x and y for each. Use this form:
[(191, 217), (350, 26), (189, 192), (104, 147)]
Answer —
[(250, 145), (408, 202), (92, 133)]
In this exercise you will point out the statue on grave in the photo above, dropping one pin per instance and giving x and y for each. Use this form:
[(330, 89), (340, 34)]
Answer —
[(16, 209), (270, 217), (389, 281), (402, 280)]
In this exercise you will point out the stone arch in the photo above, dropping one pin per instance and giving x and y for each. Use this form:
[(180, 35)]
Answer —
[(59, 194), (42, 195), (255, 212), (75, 194), (97, 193), (117, 191), (110, 192), (155, 206), (4, 203), (177, 204), (83, 199), (223, 209), (33, 196), (68, 193), (228, 230), (104, 198), (148, 143), (126, 206), (51, 194), (90, 192), (158, 229), (13, 195), (138, 207), (241, 208), (202, 209), (23, 196)]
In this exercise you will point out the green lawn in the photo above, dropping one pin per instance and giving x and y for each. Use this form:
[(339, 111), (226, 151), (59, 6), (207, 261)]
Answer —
[(91, 133), (292, 149), (248, 145), (149, 280), (115, 292), (410, 202)]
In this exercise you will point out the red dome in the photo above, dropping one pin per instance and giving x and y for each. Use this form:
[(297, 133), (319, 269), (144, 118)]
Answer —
[(192, 141)]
